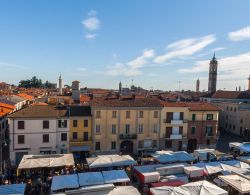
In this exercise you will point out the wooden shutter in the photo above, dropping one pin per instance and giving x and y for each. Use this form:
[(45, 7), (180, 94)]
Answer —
[(169, 117), (168, 132), (181, 115)]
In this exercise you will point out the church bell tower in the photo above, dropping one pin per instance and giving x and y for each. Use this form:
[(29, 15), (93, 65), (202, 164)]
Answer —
[(212, 80)]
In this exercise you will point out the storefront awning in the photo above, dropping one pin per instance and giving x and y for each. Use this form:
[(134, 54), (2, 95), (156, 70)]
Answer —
[(80, 148)]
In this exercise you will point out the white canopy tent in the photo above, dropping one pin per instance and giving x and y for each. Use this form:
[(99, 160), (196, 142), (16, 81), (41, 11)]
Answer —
[(210, 167), (115, 176), (170, 157), (203, 188), (124, 190), (193, 188), (90, 178), (193, 171), (45, 161), (13, 189), (236, 163), (239, 183), (167, 190), (64, 182), (110, 161)]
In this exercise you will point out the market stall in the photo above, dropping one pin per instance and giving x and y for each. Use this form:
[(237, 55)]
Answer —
[(110, 161), (46, 161), (115, 176), (64, 182), (90, 178), (237, 182), (12, 189)]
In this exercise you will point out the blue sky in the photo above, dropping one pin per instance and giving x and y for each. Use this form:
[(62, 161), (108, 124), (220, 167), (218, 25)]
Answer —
[(99, 43)]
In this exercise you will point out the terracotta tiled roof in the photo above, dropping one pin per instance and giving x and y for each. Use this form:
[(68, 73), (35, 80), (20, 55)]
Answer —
[(202, 106), (40, 112), (9, 106), (141, 102), (232, 94), (4, 111), (174, 104), (25, 96), (84, 98)]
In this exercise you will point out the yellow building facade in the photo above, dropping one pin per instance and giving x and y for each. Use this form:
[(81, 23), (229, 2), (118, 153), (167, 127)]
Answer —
[(80, 131)]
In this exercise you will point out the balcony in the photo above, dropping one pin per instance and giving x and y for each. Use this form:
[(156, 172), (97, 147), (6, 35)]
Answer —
[(176, 122), (176, 136), (128, 136)]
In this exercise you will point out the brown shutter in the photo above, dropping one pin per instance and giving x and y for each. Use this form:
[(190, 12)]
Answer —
[(168, 132), (181, 115), (169, 116), (180, 130)]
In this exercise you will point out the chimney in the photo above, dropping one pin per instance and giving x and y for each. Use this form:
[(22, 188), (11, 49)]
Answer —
[(236, 88), (239, 88)]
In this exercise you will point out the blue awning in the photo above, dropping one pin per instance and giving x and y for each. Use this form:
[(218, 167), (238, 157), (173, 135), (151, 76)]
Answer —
[(80, 148)]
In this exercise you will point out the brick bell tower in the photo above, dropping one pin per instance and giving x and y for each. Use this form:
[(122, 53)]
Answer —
[(212, 80)]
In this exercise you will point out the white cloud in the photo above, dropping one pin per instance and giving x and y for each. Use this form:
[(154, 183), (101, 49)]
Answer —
[(90, 36), (185, 47), (131, 68), (240, 35), (82, 69), (232, 68), (91, 23), (142, 60)]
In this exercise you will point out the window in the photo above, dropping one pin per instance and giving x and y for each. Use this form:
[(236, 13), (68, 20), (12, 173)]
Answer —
[(45, 138), (227, 108), (154, 143), (155, 114), (113, 129), (63, 136), (140, 144), (74, 135), (226, 117), (85, 136), (141, 114), (45, 124), (208, 142), (193, 130), (181, 115), (127, 128), (168, 144), (97, 146), (209, 117), (209, 131), (114, 114), (193, 117), (62, 123), (97, 129), (241, 121), (234, 109), (20, 139), (98, 114), (140, 128), (127, 114), (169, 117), (20, 124), (230, 126), (231, 109), (85, 123), (113, 145), (155, 128), (74, 123)]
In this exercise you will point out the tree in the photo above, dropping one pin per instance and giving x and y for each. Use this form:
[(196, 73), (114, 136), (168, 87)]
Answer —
[(34, 82)]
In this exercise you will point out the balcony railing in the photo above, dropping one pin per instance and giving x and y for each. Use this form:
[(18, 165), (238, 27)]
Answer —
[(128, 136), (80, 140), (176, 122), (176, 136)]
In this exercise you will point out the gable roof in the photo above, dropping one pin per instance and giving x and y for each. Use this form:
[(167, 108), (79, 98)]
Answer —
[(38, 111), (25, 96), (232, 94), (202, 106)]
